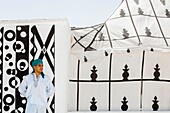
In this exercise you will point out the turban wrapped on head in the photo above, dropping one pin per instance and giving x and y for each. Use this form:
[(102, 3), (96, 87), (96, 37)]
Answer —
[(36, 62)]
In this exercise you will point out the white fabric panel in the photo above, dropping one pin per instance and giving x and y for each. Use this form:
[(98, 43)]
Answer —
[(72, 97), (72, 86), (102, 67), (145, 6), (116, 31), (152, 36), (156, 88), (90, 90), (73, 61), (121, 89), (134, 62), (160, 11), (159, 89), (153, 58), (164, 22), (130, 90)]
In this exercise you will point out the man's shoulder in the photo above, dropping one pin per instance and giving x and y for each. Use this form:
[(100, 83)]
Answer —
[(47, 77)]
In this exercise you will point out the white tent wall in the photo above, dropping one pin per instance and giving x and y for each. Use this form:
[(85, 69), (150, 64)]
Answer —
[(142, 22), (147, 78), (135, 24), (128, 57), (120, 112), (21, 41), (62, 66)]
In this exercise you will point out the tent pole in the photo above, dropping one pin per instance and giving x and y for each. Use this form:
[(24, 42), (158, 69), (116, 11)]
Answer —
[(110, 74), (141, 91), (95, 36), (109, 35), (133, 23), (78, 74), (158, 23)]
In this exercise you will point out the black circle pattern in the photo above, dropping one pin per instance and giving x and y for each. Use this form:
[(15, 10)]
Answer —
[(8, 96), (6, 88), (6, 108), (13, 35), (10, 82)]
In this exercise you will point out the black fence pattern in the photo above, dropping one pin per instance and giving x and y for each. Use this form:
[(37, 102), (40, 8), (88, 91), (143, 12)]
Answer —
[(125, 78)]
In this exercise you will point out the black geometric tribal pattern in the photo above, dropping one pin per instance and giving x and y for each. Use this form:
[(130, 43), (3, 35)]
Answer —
[(1, 66), (46, 52), (19, 45)]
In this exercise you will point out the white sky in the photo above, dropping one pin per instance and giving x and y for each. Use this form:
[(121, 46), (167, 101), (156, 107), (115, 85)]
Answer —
[(78, 12)]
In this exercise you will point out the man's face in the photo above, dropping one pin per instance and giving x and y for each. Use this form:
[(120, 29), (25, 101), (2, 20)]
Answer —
[(38, 68)]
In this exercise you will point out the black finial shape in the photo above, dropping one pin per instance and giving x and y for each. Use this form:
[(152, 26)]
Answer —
[(155, 105), (157, 73), (124, 107), (125, 74), (93, 107), (94, 74)]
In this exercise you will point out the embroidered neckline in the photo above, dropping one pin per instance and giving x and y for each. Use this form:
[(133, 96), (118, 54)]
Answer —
[(35, 79)]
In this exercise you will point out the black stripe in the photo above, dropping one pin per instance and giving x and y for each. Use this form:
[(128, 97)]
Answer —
[(134, 37), (49, 62), (54, 60), (49, 37), (109, 36), (35, 33), (133, 22), (53, 47), (138, 15), (24, 56), (95, 36), (130, 80), (110, 74), (141, 91), (158, 23), (77, 40), (1, 66), (53, 81), (76, 28), (78, 72)]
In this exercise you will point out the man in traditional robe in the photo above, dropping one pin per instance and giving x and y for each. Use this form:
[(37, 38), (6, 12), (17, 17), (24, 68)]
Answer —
[(37, 88)]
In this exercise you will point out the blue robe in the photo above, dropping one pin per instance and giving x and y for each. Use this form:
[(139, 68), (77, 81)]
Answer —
[(37, 91)]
